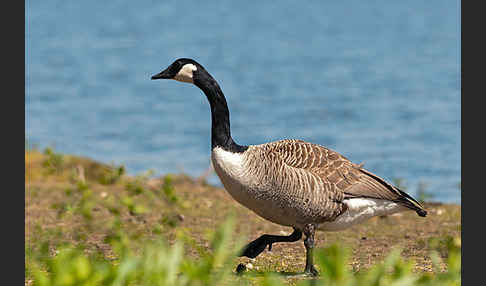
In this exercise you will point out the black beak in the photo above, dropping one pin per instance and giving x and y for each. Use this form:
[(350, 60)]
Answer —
[(163, 75)]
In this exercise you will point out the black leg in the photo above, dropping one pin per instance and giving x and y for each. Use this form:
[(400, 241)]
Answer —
[(309, 231), (254, 248)]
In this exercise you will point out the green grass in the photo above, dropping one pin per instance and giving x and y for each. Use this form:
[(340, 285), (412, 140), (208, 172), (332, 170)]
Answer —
[(88, 223), (160, 264)]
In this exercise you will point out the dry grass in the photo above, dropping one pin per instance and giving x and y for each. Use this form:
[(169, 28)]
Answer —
[(77, 200)]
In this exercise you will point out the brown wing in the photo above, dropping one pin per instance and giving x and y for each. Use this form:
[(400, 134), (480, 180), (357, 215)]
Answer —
[(348, 178)]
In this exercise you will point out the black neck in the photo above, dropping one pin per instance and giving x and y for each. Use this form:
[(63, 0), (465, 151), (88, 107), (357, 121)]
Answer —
[(220, 122)]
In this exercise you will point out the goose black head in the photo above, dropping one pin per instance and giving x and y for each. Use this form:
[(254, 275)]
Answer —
[(181, 70)]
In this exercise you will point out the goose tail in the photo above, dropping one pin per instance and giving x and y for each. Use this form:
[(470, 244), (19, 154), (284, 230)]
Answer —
[(411, 203)]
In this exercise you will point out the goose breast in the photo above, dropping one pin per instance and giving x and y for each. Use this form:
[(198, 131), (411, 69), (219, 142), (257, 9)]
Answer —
[(260, 180)]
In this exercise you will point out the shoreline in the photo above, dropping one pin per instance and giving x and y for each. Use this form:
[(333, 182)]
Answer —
[(72, 199)]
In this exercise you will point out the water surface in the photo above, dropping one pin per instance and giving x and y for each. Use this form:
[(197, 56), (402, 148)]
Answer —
[(377, 81)]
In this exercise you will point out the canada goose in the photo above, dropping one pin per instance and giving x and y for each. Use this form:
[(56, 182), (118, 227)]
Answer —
[(290, 182)]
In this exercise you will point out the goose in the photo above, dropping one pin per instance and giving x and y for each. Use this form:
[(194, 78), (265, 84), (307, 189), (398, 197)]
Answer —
[(290, 182)]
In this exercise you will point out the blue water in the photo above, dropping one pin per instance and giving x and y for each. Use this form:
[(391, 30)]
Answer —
[(377, 81)]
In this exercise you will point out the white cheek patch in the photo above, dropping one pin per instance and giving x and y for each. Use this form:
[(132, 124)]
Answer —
[(185, 74)]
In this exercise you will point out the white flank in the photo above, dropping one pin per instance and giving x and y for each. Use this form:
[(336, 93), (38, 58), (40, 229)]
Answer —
[(185, 74), (360, 209)]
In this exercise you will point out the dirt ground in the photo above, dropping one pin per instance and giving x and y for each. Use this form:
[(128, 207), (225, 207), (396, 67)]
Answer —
[(73, 199)]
